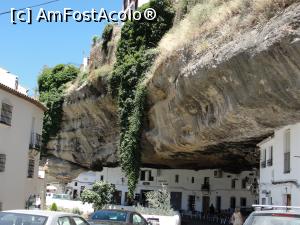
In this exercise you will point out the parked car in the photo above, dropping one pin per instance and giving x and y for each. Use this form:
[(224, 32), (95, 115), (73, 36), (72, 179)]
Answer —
[(37, 217), (117, 217), (274, 215)]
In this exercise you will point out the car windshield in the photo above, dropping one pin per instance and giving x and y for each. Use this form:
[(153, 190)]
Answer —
[(7, 218), (110, 216), (274, 219)]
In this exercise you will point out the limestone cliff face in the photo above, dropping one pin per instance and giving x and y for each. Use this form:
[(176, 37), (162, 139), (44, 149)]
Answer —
[(210, 110), (89, 132), (205, 110)]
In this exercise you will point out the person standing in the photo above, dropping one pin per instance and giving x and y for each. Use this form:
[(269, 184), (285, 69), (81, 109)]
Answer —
[(38, 202), (237, 218)]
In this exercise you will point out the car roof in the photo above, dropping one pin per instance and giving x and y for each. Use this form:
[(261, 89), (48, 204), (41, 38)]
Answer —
[(294, 212), (115, 210), (41, 213)]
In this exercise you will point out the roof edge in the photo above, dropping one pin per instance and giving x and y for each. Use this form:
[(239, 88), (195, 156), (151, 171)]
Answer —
[(25, 97)]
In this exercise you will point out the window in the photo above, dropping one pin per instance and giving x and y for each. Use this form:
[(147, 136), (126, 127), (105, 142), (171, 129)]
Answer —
[(2, 162), (6, 114), (75, 184), (270, 160), (143, 175), (137, 219), (206, 180), (102, 178), (9, 218), (233, 183), (193, 180), (243, 202), (151, 178), (64, 221), (80, 221), (232, 203), (287, 151), (244, 183), (146, 175), (176, 178), (107, 215), (263, 201), (30, 172), (263, 158)]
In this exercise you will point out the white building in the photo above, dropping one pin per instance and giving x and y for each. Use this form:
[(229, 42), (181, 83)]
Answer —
[(280, 166), (190, 190), (133, 4), (21, 120)]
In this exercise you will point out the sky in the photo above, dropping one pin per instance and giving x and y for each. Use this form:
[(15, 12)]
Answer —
[(26, 49)]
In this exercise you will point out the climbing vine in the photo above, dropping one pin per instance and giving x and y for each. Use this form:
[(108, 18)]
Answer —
[(51, 85), (135, 54)]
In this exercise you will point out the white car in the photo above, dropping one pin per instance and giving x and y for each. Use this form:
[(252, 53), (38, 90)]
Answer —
[(37, 217)]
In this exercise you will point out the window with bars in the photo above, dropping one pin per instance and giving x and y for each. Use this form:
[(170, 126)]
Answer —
[(6, 114), (30, 168), (2, 162), (287, 150)]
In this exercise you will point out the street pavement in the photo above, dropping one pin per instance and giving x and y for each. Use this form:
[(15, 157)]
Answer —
[(196, 222)]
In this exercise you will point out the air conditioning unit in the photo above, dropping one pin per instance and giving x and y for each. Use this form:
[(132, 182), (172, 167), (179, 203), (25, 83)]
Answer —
[(218, 173)]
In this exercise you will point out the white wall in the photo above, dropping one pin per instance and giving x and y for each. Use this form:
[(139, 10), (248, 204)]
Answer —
[(15, 187), (218, 186), (9, 80), (276, 174)]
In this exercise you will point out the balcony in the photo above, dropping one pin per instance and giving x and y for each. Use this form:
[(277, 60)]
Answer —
[(205, 187), (287, 162), (263, 164), (35, 141), (270, 162)]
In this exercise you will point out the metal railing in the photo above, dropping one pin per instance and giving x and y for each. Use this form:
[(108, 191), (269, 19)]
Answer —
[(35, 141), (205, 187), (270, 162)]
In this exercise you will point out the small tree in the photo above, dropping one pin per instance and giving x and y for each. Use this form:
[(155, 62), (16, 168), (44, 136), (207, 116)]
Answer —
[(160, 199), (159, 203), (100, 195)]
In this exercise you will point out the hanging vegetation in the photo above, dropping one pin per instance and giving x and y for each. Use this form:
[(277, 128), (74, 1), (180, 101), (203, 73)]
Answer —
[(135, 54)]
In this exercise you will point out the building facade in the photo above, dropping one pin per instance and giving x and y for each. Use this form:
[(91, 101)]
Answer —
[(280, 166), (21, 119), (190, 190)]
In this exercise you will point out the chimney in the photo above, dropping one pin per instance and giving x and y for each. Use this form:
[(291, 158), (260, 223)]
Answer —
[(16, 83)]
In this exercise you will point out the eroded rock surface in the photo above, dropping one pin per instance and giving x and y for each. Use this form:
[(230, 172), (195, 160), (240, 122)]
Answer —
[(211, 110), (205, 111)]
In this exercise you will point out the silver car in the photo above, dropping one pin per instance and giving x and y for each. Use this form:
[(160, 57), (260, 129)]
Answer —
[(37, 217), (274, 215)]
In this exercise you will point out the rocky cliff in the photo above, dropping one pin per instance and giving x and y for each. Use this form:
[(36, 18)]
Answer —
[(206, 108)]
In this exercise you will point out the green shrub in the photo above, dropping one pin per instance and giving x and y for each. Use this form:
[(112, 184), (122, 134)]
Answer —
[(53, 207), (106, 36), (95, 39), (51, 85), (134, 58)]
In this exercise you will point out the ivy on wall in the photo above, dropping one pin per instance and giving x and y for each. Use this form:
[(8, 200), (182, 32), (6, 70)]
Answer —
[(135, 54), (51, 85)]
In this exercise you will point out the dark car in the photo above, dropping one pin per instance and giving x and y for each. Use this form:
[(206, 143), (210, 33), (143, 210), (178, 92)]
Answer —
[(117, 217), (274, 215)]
